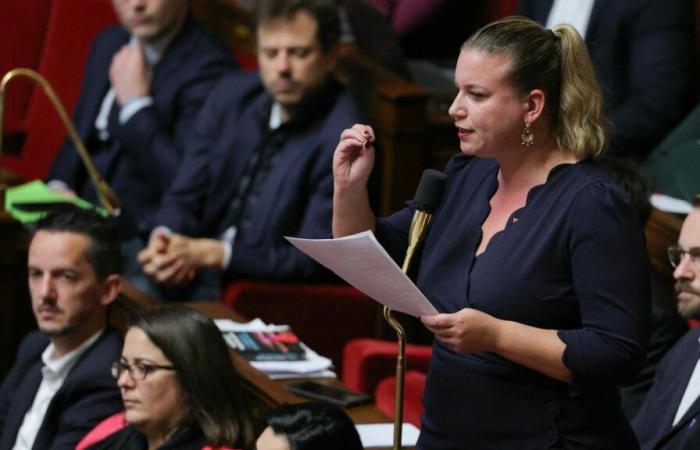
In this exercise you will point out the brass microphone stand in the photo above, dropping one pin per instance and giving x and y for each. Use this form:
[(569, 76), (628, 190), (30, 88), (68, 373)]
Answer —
[(108, 199), (418, 226)]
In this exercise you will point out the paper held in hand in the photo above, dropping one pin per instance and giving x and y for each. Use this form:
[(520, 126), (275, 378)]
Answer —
[(360, 260)]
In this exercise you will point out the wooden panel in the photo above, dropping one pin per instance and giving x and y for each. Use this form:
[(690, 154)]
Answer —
[(661, 230)]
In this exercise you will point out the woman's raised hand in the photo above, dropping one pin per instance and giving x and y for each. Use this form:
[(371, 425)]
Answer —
[(354, 157)]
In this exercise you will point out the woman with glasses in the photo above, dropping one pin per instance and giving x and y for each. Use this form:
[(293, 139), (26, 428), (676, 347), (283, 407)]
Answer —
[(179, 387)]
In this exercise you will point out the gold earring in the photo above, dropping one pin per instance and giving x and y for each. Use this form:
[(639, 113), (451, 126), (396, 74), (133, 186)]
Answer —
[(527, 138)]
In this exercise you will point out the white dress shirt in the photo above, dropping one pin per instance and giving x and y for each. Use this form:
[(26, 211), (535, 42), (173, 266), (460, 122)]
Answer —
[(692, 391), (575, 13), (53, 374), (152, 53)]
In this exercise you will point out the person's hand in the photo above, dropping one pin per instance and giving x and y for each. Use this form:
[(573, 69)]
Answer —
[(467, 330), (174, 259), (354, 157), (166, 259), (129, 74)]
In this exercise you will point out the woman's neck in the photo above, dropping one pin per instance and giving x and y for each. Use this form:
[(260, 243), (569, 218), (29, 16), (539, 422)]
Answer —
[(156, 438), (530, 167)]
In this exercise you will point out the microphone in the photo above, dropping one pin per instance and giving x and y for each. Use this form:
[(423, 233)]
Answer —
[(428, 195)]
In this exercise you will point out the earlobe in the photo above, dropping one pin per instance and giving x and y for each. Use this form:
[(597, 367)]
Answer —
[(330, 57), (535, 105), (111, 289)]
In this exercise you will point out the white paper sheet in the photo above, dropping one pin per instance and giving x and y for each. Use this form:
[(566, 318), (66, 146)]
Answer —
[(382, 434), (226, 325), (670, 204), (361, 261)]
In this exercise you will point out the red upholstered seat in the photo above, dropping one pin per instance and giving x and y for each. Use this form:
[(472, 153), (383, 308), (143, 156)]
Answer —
[(324, 316), (23, 25), (368, 361), (72, 25), (413, 388), (369, 365)]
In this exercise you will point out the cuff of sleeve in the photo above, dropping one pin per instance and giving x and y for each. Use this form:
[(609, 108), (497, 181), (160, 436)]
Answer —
[(132, 106), (58, 185), (227, 238), (160, 229), (227, 247)]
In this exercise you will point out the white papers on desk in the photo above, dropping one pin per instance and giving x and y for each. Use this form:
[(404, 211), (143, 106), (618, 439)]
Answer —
[(226, 325), (670, 204), (361, 261), (382, 435), (314, 366)]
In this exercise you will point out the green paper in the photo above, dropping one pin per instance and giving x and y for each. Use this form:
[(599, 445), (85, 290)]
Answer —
[(37, 192)]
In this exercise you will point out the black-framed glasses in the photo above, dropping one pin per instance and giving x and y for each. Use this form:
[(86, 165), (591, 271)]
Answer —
[(137, 371), (676, 255)]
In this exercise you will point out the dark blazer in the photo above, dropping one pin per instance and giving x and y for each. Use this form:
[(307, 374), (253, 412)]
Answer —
[(295, 198), (88, 394), (653, 423), (642, 53), (145, 152)]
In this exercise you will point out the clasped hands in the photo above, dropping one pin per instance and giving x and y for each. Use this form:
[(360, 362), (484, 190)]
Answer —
[(174, 259)]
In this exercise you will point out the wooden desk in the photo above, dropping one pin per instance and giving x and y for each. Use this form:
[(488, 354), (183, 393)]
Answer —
[(661, 230), (269, 392)]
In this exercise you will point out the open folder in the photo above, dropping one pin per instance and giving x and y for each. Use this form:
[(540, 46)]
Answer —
[(360, 260), (29, 201)]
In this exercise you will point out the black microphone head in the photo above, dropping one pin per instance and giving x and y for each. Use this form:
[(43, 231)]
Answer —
[(430, 189)]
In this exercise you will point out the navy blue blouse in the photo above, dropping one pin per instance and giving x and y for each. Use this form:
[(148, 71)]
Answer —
[(572, 259)]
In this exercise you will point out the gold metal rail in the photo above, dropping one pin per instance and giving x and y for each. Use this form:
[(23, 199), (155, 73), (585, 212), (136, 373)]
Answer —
[(108, 198)]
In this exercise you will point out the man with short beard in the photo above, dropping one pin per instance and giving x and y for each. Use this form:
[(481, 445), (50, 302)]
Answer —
[(262, 166), (61, 385), (670, 416)]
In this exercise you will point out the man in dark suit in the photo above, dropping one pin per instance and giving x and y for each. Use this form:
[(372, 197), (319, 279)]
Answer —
[(61, 384), (642, 53), (262, 166), (670, 416), (145, 82)]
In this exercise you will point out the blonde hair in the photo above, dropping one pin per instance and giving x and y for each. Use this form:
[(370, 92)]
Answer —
[(558, 63)]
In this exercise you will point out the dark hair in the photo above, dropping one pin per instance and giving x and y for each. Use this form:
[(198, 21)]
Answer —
[(323, 11), (557, 62), (216, 398), (696, 200), (630, 179), (314, 426), (104, 253)]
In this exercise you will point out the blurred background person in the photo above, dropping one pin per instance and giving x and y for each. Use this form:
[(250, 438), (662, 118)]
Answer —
[(262, 167), (145, 81), (642, 52)]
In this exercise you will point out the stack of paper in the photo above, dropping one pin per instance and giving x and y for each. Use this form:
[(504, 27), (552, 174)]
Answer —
[(313, 365)]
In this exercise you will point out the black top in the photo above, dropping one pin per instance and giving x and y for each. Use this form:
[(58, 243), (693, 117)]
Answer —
[(572, 259), (128, 438)]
